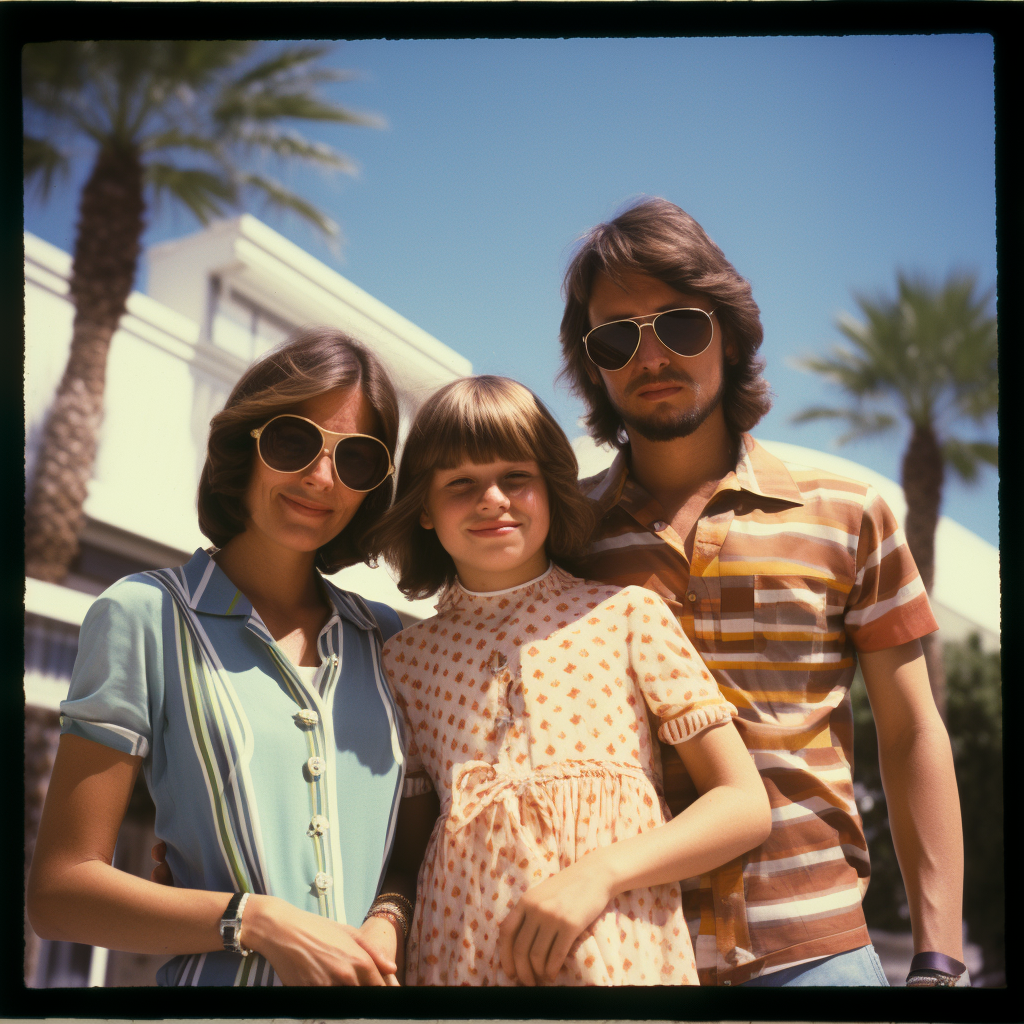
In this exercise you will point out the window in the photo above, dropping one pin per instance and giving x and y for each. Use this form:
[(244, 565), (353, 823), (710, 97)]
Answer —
[(241, 326)]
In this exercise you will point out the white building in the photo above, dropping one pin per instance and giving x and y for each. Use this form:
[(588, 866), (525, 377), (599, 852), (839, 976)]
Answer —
[(218, 299)]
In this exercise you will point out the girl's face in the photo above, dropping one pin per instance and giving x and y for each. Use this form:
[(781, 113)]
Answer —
[(303, 511), (492, 518)]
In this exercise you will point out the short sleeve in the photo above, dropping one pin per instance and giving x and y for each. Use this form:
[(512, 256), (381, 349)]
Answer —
[(118, 671), (675, 682), (887, 605), (414, 770)]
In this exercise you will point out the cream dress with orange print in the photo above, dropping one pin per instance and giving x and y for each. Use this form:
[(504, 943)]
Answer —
[(526, 710)]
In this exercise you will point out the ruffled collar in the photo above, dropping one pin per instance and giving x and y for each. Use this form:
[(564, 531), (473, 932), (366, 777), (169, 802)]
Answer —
[(550, 583)]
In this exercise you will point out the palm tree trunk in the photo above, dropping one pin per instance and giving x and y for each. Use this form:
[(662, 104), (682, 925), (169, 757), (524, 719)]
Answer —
[(106, 255), (923, 471)]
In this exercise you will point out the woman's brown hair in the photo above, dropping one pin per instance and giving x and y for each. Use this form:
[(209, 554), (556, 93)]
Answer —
[(657, 238), (480, 419), (313, 361)]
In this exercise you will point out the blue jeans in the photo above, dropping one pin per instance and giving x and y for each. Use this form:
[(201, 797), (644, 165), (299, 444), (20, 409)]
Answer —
[(857, 967)]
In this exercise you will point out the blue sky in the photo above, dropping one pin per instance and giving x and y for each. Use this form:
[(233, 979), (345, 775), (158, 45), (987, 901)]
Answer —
[(819, 165)]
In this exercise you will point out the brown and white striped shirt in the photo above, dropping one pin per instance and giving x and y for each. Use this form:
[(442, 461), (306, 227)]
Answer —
[(794, 570)]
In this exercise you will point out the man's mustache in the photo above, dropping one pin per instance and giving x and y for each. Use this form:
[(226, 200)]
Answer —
[(645, 380)]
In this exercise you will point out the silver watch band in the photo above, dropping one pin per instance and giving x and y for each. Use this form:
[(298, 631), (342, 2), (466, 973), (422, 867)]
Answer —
[(231, 923)]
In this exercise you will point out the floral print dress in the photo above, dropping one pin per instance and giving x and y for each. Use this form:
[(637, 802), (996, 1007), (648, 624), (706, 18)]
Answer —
[(527, 710)]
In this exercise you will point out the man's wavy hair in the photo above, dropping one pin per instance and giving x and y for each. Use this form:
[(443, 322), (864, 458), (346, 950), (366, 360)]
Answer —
[(315, 360), (656, 238), (479, 419)]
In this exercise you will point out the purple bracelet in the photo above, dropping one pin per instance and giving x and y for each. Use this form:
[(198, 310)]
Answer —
[(937, 962)]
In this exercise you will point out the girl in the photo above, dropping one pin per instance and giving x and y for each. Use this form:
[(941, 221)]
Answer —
[(274, 765), (526, 699)]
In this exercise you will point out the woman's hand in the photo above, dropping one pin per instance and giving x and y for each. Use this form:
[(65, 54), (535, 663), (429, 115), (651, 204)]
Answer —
[(535, 938), (305, 949)]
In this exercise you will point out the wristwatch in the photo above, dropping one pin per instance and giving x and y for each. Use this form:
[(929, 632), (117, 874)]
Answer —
[(936, 970), (231, 923)]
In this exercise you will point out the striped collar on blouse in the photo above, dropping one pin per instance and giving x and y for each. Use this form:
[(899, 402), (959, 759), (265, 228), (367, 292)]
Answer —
[(208, 591)]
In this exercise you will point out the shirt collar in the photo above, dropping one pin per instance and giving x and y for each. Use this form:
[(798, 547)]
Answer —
[(605, 488), (761, 473), (757, 471), (210, 592)]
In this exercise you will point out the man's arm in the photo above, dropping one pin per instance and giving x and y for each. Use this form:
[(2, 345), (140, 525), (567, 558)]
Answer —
[(920, 790)]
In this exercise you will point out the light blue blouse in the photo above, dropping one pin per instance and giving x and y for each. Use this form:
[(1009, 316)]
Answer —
[(261, 782)]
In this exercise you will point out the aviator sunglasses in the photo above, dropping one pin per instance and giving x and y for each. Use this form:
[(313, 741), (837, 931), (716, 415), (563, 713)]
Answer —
[(686, 332), (289, 444)]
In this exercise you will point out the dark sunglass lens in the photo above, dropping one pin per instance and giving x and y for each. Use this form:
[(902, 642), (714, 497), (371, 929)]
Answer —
[(289, 444), (362, 462), (686, 331), (612, 345)]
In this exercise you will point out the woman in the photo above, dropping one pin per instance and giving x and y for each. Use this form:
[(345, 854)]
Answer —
[(249, 691)]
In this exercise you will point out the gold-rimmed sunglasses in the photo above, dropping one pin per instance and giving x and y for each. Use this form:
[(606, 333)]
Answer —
[(686, 332), (289, 444)]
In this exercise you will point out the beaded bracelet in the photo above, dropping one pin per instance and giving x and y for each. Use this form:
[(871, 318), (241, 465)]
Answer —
[(396, 908), (396, 897)]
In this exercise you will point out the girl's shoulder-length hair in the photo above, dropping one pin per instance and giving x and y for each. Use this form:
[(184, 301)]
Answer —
[(479, 419), (315, 360)]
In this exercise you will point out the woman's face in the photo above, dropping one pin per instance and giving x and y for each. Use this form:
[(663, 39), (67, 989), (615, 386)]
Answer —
[(303, 511)]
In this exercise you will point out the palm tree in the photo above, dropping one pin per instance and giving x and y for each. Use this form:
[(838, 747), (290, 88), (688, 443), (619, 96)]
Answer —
[(931, 353), (181, 119)]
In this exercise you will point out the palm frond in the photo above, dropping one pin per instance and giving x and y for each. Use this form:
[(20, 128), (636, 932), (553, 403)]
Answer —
[(170, 98), (861, 424), (287, 60), (866, 425), (204, 192), (966, 457), (174, 138), (845, 368), (50, 72), (819, 412), (237, 108), (42, 161), (277, 195), (292, 145), (981, 401), (198, 62)]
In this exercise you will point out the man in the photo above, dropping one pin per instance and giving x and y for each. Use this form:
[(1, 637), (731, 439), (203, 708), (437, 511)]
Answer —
[(784, 578)]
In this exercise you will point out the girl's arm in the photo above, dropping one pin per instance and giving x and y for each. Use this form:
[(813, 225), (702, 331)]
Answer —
[(75, 894), (730, 816), (416, 818)]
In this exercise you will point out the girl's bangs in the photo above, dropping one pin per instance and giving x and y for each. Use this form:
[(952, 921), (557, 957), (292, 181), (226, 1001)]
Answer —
[(481, 425)]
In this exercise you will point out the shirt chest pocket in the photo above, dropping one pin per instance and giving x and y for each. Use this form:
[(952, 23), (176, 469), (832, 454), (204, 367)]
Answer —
[(791, 615)]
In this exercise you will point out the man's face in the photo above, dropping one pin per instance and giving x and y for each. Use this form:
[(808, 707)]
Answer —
[(658, 394)]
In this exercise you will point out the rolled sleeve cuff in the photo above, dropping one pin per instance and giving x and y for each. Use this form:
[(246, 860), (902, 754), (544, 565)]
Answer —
[(678, 725), (115, 736)]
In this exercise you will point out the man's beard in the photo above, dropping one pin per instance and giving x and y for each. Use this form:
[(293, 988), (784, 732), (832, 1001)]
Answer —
[(659, 427)]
